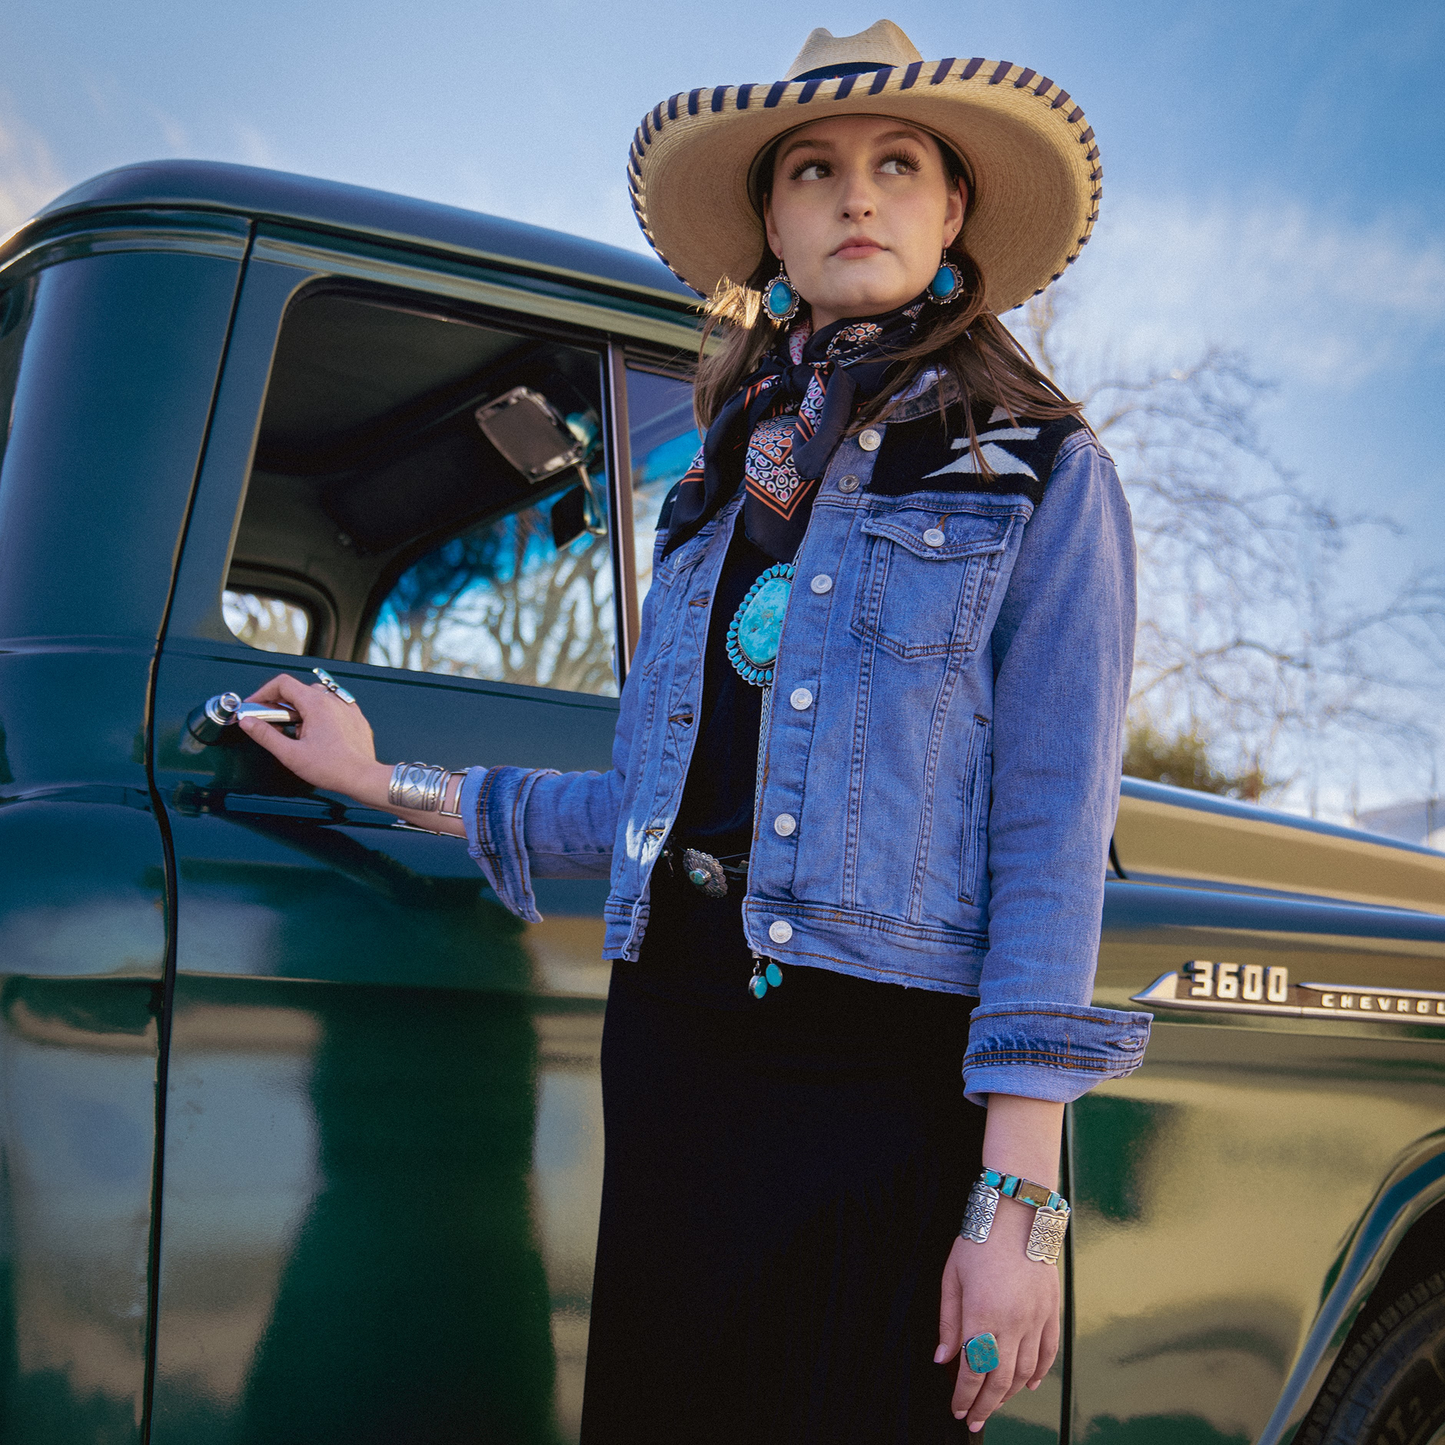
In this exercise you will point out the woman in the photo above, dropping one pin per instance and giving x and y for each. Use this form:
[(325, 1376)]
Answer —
[(865, 772)]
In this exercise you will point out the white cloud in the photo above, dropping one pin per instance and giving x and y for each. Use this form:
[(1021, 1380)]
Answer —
[(29, 174), (175, 135), (252, 147), (1314, 299)]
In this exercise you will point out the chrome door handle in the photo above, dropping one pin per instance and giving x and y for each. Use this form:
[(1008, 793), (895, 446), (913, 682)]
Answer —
[(208, 723)]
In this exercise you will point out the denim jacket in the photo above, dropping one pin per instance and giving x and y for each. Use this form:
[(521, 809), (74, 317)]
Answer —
[(941, 771)]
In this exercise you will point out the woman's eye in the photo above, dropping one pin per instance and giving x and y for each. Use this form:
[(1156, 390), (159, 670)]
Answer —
[(811, 171), (898, 166)]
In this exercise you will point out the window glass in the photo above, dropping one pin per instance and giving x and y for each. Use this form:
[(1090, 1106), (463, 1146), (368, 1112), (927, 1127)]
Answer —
[(664, 441), (274, 624), (503, 601), (440, 482)]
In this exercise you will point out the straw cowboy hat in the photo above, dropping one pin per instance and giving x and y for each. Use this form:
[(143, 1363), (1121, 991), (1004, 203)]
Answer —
[(1030, 154)]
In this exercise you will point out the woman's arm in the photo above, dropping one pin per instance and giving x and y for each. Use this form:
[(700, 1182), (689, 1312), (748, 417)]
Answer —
[(1063, 651), (994, 1287)]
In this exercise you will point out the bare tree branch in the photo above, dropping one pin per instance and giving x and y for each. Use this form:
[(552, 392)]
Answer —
[(1249, 632)]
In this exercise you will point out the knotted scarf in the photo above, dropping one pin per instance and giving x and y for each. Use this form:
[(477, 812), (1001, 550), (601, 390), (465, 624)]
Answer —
[(781, 426)]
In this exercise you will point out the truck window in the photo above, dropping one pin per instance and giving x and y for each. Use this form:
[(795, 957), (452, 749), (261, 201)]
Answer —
[(264, 620), (428, 493)]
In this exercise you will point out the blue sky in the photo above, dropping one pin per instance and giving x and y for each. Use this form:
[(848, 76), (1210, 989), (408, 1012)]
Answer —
[(1272, 170)]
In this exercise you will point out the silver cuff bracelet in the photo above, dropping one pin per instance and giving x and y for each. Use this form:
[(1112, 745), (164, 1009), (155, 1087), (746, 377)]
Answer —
[(979, 1212), (416, 787)]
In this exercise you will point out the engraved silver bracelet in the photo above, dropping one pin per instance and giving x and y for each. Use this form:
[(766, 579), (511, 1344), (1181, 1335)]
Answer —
[(421, 788), (1051, 1213), (416, 787)]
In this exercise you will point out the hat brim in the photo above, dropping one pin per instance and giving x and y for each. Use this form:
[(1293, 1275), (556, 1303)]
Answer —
[(1035, 166)]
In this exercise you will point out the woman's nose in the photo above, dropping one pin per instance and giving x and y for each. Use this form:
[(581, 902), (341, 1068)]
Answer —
[(857, 201)]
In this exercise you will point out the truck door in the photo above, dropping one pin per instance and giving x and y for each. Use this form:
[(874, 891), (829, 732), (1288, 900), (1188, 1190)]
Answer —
[(383, 1130), (112, 330)]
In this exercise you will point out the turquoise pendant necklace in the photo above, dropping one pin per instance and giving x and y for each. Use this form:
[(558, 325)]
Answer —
[(753, 637), (758, 624)]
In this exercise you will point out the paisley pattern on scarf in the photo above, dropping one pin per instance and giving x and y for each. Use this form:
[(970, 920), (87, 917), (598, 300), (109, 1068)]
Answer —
[(795, 409), (772, 476)]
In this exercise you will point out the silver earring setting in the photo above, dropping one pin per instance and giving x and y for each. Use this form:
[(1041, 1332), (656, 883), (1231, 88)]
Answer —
[(947, 283), (780, 298)]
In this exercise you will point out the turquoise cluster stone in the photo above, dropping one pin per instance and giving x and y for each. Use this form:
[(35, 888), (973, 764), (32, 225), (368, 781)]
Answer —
[(944, 283), (761, 623), (757, 626)]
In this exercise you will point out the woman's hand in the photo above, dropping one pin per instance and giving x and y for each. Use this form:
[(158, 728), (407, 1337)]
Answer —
[(333, 748), (993, 1288)]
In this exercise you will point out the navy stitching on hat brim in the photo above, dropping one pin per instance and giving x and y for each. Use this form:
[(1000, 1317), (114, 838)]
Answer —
[(809, 84)]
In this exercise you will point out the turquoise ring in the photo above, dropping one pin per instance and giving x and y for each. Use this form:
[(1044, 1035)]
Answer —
[(981, 1352)]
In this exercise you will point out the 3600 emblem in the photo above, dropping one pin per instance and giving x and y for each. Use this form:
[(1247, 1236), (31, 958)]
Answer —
[(1265, 988)]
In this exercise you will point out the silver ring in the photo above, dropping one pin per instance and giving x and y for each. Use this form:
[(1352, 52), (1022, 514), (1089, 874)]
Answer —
[(331, 685)]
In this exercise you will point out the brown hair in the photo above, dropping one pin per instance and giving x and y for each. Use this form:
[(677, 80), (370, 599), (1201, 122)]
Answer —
[(962, 340)]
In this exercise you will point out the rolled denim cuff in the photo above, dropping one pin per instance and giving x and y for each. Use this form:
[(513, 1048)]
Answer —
[(1050, 1050), (493, 803)]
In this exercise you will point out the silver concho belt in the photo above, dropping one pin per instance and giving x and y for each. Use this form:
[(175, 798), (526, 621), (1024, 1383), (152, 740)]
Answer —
[(707, 874)]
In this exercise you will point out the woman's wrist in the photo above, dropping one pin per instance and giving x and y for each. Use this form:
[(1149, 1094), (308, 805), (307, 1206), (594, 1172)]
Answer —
[(1023, 1137), (372, 786)]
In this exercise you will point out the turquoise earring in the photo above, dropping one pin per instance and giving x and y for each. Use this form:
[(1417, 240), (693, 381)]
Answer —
[(947, 283), (780, 298)]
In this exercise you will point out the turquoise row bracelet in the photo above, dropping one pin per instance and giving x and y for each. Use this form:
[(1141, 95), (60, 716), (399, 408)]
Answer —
[(1051, 1213), (1012, 1186)]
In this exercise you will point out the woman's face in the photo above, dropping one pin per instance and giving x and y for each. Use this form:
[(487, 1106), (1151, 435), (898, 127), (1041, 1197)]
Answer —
[(860, 212)]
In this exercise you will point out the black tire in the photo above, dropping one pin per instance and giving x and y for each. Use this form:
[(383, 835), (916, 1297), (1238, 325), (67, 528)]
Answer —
[(1389, 1386)]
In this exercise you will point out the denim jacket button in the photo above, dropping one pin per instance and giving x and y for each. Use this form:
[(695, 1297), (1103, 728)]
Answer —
[(801, 699), (780, 930), (785, 825), (822, 583), (869, 440), (848, 483), (933, 537)]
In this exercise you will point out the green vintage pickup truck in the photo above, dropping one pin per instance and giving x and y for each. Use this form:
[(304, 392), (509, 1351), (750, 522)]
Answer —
[(300, 1131)]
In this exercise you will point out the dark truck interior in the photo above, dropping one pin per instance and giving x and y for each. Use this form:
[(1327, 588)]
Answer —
[(419, 476)]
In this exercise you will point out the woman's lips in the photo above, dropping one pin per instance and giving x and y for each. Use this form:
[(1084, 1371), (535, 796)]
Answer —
[(856, 250)]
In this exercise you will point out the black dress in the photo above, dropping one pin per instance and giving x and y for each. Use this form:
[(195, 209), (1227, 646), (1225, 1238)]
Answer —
[(784, 1177)]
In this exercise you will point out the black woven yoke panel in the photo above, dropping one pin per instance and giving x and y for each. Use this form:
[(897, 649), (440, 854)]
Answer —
[(931, 454)]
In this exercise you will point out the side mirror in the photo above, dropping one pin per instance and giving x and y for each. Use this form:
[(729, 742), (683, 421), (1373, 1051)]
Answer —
[(575, 512)]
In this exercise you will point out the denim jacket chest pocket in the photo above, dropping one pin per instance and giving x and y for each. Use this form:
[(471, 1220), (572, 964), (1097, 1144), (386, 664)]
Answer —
[(929, 566)]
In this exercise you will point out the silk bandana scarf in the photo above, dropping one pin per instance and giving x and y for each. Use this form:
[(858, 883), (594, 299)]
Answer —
[(781, 427)]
